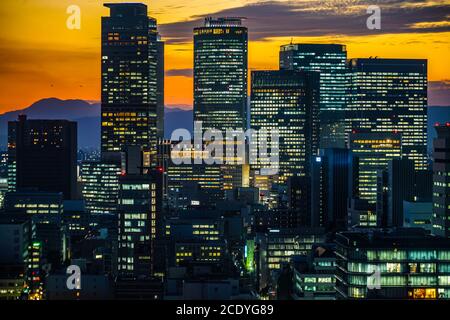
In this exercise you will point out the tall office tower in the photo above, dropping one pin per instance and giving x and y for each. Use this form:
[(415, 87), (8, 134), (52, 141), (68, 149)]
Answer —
[(129, 78), (100, 185), (288, 101), (387, 95), (140, 204), (330, 60), (331, 184), (42, 155), (441, 182), (139, 213), (160, 88), (374, 151), (220, 74)]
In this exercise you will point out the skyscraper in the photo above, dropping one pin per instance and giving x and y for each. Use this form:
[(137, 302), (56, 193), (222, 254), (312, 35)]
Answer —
[(160, 88), (129, 78), (387, 95), (140, 203), (374, 151), (330, 61), (288, 101), (220, 74), (332, 181), (139, 214), (42, 155), (441, 182)]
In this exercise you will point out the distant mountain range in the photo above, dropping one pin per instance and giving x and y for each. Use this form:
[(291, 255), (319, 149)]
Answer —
[(87, 115)]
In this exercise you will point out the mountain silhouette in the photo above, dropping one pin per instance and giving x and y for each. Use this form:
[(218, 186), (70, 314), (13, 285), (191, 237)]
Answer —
[(87, 115)]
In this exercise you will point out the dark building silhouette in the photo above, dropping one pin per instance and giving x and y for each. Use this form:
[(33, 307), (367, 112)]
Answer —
[(332, 181), (398, 183), (299, 200), (42, 155), (441, 181)]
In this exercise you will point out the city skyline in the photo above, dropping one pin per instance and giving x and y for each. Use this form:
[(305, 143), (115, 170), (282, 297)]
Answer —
[(36, 54), (309, 179)]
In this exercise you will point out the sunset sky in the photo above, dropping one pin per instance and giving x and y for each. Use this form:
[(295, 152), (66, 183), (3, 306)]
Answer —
[(40, 57)]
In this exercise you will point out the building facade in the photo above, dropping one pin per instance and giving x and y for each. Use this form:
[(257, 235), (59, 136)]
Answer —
[(390, 95), (42, 155), (396, 264), (441, 182), (129, 78), (220, 74), (140, 204), (289, 102), (330, 60)]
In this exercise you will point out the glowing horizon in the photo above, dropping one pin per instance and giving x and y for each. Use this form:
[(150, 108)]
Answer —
[(41, 58)]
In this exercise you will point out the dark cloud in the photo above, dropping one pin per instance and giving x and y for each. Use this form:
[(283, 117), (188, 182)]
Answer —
[(179, 73), (319, 18), (439, 93)]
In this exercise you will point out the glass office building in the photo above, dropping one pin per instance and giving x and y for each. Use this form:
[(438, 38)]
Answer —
[(331, 61), (100, 186), (139, 212), (387, 95), (373, 152), (289, 102), (394, 264), (220, 74)]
